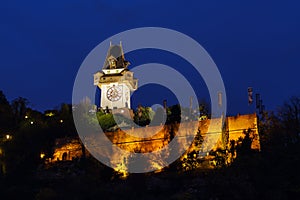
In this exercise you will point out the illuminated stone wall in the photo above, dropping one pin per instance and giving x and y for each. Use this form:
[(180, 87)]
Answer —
[(238, 124), (214, 137), (211, 131), (67, 149)]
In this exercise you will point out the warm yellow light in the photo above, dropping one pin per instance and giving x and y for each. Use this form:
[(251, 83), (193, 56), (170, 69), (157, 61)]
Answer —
[(50, 114), (61, 121), (26, 117), (31, 122), (42, 155), (7, 137)]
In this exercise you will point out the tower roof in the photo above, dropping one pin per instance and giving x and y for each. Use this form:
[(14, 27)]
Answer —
[(115, 58)]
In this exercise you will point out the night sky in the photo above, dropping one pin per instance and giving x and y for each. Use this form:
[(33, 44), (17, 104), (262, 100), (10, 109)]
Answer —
[(254, 43)]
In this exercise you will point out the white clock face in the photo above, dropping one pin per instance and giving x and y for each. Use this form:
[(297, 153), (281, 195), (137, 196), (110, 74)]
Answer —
[(114, 93)]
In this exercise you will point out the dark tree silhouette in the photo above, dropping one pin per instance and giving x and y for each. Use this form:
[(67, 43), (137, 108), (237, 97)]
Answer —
[(6, 117), (19, 107), (290, 116), (174, 116), (204, 108)]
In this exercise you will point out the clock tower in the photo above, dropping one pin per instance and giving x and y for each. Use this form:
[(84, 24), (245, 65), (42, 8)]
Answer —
[(115, 80)]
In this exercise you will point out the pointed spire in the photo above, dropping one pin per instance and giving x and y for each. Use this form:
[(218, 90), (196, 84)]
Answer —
[(122, 53), (116, 53)]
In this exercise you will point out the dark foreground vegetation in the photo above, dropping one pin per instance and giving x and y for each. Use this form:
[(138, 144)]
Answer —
[(272, 173)]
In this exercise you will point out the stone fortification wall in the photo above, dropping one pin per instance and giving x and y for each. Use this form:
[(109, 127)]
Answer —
[(214, 135)]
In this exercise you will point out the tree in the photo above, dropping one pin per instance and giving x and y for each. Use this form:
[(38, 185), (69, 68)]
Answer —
[(6, 116), (106, 121), (192, 159), (204, 109), (19, 107), (290, 116), (174, 114), (65, 120), (271, 131), (22, 153), (143, 115)]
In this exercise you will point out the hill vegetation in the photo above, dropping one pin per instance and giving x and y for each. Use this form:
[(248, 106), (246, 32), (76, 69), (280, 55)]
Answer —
[(28, 136)]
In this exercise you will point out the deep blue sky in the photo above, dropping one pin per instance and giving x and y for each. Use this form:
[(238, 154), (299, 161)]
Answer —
[(254, 43)]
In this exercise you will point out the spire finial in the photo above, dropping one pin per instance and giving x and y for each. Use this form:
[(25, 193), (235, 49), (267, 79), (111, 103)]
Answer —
[(122, 50)]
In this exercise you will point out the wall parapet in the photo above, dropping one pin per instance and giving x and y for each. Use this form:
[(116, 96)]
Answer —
[(216, 134)]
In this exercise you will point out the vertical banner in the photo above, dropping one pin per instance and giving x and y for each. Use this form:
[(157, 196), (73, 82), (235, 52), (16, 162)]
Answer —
[(257, 96), (220, 99), (165, 104), (191, 104), (250, 95)]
